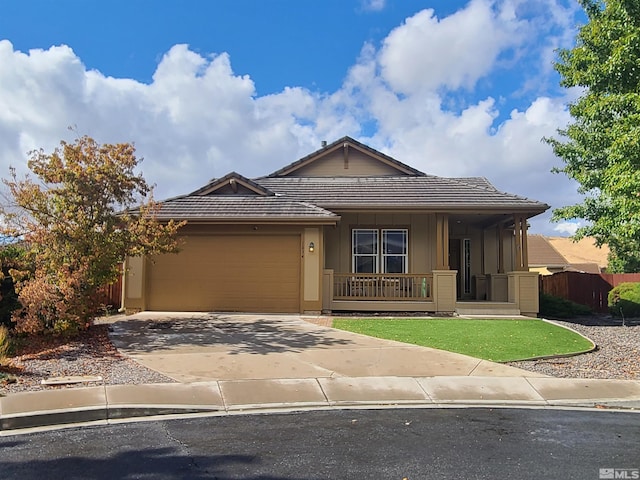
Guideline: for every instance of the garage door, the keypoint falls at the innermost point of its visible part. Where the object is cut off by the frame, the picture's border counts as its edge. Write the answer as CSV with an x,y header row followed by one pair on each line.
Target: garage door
x,y
228,273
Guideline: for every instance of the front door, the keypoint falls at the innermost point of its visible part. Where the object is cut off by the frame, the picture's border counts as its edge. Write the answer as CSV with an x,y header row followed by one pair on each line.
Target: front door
x,y
455,257
460,260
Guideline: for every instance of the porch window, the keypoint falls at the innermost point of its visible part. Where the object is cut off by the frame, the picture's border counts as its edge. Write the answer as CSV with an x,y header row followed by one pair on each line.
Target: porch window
x,y
365,251
394,251
384,250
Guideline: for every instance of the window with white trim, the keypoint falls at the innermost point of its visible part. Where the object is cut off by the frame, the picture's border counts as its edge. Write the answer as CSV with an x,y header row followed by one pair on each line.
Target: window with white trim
x,y
365,250
379,250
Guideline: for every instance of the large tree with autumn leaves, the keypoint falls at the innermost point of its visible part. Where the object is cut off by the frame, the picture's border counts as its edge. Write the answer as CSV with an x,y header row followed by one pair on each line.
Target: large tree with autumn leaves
x,y
80,213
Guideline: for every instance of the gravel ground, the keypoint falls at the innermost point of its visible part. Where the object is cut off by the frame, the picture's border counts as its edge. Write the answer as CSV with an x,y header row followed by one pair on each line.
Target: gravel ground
x,y
93,354
89,354
617,355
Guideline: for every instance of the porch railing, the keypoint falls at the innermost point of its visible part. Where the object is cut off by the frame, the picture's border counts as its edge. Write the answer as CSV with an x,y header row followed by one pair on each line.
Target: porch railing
x,y
382,286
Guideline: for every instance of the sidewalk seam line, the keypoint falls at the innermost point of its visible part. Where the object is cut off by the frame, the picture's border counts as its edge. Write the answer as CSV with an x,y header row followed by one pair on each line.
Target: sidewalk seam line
x,y
224,401
415,379
324,394
475,368
536,390
107,408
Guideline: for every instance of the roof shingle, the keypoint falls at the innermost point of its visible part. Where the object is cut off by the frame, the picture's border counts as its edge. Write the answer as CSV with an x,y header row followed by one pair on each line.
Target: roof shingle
x,y
423,192
232,207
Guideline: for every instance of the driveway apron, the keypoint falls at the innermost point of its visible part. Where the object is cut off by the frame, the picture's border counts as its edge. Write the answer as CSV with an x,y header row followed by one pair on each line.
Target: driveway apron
x,y
196,347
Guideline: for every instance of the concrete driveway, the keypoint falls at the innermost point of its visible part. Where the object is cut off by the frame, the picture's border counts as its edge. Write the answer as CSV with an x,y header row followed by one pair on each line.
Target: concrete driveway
x,y
195,347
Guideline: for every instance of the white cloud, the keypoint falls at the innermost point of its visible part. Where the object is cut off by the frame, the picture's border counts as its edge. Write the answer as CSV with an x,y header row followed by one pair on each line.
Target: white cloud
x,y
197,119
427,53
567,228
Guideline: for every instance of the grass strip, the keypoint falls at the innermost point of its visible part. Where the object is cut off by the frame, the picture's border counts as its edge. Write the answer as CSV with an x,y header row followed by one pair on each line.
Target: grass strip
x,y
498,340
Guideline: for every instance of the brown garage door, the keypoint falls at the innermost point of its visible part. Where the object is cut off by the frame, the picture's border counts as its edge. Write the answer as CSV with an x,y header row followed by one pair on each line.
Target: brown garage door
x,y
228,273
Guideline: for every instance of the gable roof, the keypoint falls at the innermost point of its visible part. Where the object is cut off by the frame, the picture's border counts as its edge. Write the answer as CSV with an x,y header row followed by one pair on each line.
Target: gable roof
x,y
239,199
542,253
232,183
285,195
426,192
243,208
345,143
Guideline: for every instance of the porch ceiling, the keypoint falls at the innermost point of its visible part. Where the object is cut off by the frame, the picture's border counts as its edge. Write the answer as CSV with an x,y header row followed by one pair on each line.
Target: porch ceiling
x,y
483,220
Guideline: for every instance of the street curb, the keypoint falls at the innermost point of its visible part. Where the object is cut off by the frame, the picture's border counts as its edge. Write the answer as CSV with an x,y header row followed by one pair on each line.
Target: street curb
x,y
98,411
145,413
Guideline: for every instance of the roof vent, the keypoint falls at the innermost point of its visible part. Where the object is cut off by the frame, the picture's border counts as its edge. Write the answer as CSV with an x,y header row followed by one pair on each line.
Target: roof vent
x,y
324,143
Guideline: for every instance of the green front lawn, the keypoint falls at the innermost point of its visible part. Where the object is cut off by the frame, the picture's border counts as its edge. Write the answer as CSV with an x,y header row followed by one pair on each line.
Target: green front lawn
x,y
496,340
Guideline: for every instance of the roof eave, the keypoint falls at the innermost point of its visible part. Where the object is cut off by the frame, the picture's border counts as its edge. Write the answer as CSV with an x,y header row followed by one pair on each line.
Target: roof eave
x,y
259,220
436,208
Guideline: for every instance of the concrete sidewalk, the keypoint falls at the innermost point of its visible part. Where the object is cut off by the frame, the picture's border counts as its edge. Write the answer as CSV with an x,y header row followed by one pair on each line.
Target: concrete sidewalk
x,y
113,403
230,363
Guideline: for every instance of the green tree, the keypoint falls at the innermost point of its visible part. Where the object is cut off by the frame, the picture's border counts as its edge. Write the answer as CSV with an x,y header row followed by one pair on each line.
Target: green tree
x,y
87,211
601,147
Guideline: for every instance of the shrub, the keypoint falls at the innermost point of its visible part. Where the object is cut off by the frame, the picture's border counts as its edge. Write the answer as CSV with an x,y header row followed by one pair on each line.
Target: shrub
x,y
52,303
85,210
557,307
4,343
624,300
13,258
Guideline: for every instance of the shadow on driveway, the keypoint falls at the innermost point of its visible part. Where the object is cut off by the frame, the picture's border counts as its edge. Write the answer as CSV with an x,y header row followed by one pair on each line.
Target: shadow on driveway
x,y
236,334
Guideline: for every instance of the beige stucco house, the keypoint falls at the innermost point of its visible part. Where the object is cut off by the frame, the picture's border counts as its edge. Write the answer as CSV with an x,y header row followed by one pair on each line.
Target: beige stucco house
x,y
345,228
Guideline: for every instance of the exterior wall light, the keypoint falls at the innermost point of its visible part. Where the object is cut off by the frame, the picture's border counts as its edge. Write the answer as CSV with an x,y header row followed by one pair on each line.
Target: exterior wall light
x,y
312,247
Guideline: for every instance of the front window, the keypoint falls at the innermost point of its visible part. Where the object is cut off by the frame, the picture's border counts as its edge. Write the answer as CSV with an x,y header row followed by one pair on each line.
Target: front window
x,y
384,251
365,251
394,251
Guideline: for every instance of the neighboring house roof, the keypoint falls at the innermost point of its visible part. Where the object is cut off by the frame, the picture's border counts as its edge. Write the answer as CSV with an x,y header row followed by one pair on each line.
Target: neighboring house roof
x,y
563,254
581,252
584,268
542,253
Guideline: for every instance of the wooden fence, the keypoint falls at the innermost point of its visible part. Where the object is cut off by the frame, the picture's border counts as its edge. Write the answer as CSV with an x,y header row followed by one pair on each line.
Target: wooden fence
x,y
110,296
587,289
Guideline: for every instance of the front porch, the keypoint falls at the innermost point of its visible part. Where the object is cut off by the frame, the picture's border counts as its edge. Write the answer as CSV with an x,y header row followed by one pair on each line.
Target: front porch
x,y
514,293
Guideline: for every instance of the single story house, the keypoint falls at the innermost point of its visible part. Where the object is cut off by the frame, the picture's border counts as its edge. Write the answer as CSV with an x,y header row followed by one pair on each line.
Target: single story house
x,y
549,255
346,228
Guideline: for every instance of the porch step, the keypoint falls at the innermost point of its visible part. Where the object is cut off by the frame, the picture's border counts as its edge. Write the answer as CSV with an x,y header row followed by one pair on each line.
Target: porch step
x,y
487,308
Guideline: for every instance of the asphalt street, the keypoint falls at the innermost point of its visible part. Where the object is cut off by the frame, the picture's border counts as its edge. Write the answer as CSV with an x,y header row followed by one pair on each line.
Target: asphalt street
x,y
339,444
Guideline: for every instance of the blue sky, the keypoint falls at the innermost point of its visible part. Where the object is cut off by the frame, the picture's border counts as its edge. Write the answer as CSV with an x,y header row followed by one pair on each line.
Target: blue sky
x,y
454,88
